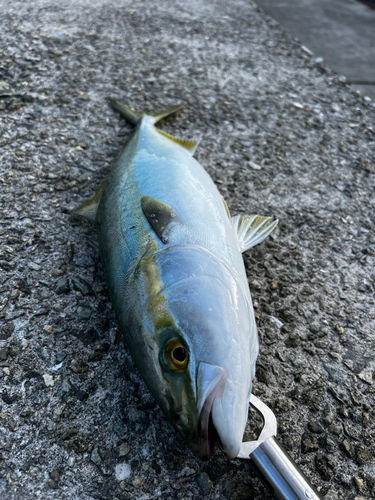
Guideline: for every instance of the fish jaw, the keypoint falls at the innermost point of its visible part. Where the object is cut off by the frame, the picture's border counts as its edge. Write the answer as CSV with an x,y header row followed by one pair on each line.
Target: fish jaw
x,y
229,416
221,417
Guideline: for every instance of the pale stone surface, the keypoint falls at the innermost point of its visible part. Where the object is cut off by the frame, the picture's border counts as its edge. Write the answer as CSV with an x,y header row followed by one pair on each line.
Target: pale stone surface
x,y
122,471
48,380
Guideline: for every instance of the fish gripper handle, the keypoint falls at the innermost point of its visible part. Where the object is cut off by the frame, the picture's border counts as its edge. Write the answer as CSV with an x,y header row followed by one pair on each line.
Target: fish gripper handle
x,y
280,474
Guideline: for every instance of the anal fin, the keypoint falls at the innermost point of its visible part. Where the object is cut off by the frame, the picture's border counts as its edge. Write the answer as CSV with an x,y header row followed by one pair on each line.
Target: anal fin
x,y
252,229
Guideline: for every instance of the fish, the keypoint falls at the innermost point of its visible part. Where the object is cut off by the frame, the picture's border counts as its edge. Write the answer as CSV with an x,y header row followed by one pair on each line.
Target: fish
x,y
172,258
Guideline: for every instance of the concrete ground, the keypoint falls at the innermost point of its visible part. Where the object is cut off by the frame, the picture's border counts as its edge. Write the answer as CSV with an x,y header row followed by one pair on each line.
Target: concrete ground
x,y
342,32
282,135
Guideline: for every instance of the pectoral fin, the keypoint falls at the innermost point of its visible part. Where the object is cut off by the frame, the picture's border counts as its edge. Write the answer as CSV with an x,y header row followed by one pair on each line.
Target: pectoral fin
x,y
89,208
160,216
252,229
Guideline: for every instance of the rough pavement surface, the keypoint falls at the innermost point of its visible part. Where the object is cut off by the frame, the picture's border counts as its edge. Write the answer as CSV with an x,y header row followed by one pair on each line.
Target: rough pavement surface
x,y
281,135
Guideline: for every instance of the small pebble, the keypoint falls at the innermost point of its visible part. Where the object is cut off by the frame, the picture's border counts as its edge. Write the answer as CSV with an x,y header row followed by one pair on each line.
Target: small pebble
x,y
138,481
106,471
61,286
52,484
347,447
55,474
33,266
364,454
122,471
123,449
335,429
48,380
204,483
359,483
366,376
323,467
187,471
309,443
83,312
95,456
82,286
254,166
4,354
331,495
315,427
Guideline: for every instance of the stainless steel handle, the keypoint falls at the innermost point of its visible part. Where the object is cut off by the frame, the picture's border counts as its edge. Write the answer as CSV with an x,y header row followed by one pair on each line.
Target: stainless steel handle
x,y
280,474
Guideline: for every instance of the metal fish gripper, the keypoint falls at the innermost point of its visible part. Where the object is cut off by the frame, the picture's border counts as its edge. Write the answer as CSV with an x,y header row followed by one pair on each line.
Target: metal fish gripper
x,y
274,466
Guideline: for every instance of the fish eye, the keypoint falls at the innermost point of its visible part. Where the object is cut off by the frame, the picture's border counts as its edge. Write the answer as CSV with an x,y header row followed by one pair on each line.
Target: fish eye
x,y
176,355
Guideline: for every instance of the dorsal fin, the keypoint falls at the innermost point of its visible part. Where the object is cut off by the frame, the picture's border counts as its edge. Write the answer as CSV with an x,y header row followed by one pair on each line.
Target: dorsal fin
x,y
252,229
89,207
190,146
160,216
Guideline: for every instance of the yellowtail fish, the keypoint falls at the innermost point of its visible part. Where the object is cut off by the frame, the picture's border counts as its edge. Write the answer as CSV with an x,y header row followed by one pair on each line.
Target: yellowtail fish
x,y
171,255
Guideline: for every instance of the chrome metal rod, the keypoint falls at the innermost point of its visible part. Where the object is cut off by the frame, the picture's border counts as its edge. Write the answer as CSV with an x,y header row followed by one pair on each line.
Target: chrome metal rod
x,y
280,473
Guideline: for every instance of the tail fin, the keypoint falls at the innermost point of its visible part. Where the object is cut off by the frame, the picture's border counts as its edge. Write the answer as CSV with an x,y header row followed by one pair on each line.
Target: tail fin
x,y
134,117
128,113
166,112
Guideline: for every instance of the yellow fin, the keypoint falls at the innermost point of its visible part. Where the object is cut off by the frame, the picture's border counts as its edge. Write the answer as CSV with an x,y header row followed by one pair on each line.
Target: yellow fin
x,y
89,208
166,112
190,146
128,113
159,215
134,117
226,207
252,229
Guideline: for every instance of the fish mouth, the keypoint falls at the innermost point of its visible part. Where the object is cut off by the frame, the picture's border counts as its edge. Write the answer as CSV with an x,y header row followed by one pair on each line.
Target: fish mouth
x,y
207,435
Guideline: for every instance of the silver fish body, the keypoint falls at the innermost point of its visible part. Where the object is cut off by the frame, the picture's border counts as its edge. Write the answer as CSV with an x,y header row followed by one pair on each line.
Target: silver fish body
x,y
172,259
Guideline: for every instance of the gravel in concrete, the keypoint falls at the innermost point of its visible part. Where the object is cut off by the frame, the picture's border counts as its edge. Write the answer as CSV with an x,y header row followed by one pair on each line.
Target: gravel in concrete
x,y
283,136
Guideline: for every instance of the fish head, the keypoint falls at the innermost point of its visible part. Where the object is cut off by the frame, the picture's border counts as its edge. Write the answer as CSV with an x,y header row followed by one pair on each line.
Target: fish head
x,y
204,348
